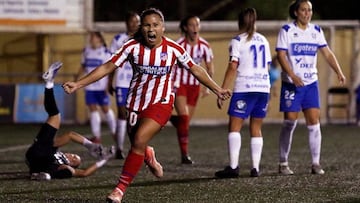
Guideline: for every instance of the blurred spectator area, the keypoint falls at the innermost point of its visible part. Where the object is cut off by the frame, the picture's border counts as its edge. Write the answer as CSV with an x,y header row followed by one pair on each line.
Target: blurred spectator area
x,y
25,55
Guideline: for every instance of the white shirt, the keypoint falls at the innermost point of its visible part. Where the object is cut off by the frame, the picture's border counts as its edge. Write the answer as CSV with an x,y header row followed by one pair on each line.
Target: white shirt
x,y
301,46
253,58
122,76
92,58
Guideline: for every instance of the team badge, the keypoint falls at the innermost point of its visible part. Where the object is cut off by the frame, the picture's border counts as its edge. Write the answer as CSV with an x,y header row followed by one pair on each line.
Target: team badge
x,y
241,105
295,34
163,56
313,35
288,103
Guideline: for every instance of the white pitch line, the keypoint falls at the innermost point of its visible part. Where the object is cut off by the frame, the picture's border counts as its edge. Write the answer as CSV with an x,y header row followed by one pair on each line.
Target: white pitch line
x,y
14,148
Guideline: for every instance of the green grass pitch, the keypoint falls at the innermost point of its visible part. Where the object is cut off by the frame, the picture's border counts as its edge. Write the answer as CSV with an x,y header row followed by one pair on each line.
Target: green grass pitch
x,y
195,183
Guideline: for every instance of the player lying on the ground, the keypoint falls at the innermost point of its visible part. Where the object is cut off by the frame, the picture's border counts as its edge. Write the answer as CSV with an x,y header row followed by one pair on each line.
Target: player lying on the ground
x,y
44,159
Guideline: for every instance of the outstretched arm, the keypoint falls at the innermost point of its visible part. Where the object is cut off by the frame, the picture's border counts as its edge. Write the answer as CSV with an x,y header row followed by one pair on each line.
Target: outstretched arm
x,y
85,172
210,70
98,73
200,74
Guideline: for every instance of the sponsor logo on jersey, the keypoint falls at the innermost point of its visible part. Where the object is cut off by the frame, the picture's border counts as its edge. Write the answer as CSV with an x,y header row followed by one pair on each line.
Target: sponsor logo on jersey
x,y
92,63
304,49
256,77
297,61
257,86
153,70
309,75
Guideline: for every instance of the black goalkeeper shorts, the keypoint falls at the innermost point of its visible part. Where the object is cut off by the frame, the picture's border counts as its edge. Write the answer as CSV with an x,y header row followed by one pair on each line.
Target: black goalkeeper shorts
x,y
41,153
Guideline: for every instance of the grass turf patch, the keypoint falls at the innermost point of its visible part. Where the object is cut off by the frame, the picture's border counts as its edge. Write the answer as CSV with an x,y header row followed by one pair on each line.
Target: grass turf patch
x,y
195,183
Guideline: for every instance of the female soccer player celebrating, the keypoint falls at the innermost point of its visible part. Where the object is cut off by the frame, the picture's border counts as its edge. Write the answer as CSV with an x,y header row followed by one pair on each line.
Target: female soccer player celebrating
x,y
150,99
249,61
297,46
188,90
96,94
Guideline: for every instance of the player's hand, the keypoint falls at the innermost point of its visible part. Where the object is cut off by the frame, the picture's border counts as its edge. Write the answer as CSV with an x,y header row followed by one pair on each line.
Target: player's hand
x,y
220,103
223,94
70,87
297,81
111,90
341,78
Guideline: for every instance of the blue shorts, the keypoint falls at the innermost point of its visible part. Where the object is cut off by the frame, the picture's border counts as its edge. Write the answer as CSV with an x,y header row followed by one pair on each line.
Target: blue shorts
x,y
295,99
247,104
97,97
121,95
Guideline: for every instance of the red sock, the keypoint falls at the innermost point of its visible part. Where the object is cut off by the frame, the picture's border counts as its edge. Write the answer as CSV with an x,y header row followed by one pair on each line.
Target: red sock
x,y
183,133
131,167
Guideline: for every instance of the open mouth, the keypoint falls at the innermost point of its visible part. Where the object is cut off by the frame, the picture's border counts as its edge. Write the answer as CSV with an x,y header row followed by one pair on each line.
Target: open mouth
x,y
151,37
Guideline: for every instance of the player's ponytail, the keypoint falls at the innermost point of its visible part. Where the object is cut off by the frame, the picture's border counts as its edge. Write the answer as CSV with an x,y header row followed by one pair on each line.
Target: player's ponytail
x,y
246,22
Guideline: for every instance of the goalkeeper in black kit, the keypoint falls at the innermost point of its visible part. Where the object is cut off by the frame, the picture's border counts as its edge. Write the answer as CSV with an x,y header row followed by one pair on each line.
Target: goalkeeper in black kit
x,y
43,157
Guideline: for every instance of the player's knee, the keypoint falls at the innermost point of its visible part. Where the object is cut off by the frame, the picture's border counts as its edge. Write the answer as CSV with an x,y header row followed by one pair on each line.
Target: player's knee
x,y
139,145
289,124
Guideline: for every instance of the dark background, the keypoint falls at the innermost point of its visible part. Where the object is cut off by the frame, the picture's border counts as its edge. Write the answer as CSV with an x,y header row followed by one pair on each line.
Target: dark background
x,y
114,10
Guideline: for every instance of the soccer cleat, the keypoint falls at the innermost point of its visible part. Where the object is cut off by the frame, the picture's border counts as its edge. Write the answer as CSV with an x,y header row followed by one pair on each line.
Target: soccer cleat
x,y
109,153
150,160
316,169
285,170
97,151
115,196
119,154
40,176
186,160
254,173
50,74
228,172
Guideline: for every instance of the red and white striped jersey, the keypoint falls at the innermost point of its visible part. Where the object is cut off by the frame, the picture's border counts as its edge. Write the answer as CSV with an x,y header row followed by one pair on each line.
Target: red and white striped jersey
x,y
151,82
199,52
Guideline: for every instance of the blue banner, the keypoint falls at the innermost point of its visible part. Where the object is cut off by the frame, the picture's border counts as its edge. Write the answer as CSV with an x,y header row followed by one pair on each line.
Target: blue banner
x,y
29,104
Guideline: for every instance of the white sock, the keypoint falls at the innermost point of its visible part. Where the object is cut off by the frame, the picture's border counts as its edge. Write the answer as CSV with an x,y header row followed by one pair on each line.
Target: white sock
x,y
111,121
234,144
95,122
285,139
315,142
49,84
256,145
121,132
88,144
